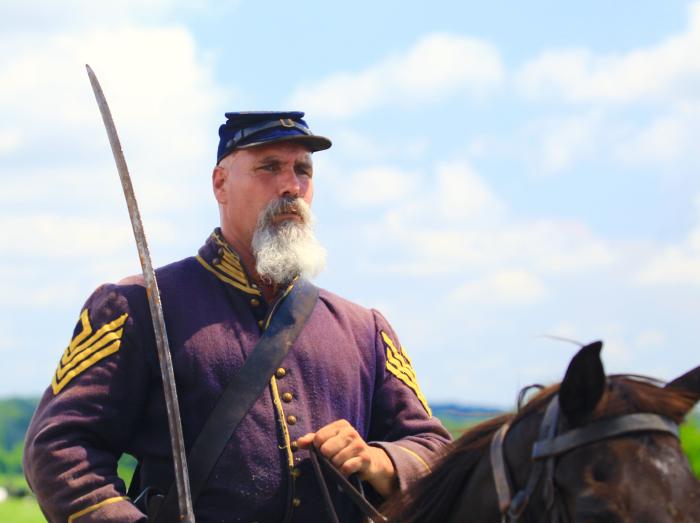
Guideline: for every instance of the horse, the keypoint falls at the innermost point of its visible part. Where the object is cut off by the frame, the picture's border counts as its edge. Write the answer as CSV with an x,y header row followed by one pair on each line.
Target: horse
x,y
594,448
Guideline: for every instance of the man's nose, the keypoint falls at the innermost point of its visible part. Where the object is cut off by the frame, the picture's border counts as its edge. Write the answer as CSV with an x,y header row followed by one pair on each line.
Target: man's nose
x,y
289,184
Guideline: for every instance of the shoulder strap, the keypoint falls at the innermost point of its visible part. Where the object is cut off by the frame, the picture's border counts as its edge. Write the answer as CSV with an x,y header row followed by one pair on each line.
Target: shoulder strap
x,y
244,389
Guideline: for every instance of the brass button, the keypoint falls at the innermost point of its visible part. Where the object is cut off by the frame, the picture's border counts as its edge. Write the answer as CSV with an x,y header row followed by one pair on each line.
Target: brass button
x,y
280,373
220,251
294,446
291,419
216,261
260,323
296,472
287,397
296,502
254,302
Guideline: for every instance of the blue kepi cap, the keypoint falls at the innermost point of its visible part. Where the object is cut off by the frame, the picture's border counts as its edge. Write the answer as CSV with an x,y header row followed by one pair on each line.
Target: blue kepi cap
x,y
248,129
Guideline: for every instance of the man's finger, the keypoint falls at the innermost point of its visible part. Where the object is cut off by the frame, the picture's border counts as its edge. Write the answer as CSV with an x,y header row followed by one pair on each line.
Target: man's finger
x,y
354,450
332,429
351,466
306,440
337,443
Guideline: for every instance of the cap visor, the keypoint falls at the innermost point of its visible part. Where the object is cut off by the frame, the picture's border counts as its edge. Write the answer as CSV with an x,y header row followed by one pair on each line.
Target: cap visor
x,y
313,142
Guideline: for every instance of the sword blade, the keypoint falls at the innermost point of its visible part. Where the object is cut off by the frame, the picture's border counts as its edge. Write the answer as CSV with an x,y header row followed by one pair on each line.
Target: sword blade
x,y
166,365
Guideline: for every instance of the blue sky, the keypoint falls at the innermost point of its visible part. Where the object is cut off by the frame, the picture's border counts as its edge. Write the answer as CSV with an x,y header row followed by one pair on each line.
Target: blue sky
x,y
500,170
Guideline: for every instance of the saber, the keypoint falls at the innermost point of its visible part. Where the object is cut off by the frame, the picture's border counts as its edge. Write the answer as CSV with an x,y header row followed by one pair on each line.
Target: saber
x,y
182,483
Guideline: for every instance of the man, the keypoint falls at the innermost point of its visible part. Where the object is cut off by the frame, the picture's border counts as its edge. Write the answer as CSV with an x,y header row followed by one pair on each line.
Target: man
x,y
346,385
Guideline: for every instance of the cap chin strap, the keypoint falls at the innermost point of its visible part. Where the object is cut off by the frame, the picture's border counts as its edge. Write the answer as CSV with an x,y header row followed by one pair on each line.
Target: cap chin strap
x,y
247,132
549,446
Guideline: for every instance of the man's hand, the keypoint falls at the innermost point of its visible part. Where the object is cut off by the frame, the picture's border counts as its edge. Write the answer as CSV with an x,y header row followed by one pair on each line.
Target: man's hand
x,y
345,448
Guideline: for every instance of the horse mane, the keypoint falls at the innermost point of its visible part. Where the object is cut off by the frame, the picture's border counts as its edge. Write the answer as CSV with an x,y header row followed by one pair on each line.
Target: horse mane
x,y
432,497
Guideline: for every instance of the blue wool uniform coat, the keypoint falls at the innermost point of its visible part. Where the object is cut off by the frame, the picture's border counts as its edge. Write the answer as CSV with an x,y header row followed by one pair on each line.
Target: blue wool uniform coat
x,y
106,398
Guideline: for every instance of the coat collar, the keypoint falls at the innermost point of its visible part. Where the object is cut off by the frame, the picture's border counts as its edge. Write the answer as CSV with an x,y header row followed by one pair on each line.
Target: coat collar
x,y
219,258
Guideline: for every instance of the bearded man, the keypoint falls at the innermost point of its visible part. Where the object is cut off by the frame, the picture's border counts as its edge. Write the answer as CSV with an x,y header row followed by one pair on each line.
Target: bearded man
x,y
346,386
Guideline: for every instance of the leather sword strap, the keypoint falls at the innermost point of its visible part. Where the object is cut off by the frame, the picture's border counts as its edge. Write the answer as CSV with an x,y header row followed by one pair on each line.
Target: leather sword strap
x,y
287,321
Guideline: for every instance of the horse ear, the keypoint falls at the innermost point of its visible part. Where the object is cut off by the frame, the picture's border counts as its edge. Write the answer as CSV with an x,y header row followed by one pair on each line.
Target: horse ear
x,y
583,385
690,382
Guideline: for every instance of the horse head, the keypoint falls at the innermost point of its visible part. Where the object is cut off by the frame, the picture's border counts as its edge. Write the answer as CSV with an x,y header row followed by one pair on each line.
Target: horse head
x,y
594,448
639,476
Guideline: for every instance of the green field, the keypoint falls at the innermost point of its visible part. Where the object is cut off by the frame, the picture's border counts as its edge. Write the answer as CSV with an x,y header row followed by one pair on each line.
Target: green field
x,y
20,510
690,440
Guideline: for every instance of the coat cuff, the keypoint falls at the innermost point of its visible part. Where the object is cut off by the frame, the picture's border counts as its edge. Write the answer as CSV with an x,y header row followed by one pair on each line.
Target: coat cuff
x,y
409,463
117,508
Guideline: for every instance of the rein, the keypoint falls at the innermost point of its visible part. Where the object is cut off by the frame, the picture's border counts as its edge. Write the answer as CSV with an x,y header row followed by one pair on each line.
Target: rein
x,y
355,494
549,446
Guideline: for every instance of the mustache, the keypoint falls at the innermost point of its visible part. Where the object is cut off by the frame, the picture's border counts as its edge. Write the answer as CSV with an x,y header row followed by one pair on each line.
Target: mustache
x,y
285,205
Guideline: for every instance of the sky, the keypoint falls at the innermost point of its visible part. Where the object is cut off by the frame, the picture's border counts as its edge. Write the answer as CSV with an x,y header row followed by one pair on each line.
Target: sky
x,y
502,172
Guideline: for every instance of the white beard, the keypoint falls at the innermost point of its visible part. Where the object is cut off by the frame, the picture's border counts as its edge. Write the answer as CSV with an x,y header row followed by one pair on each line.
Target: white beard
x,y
287,249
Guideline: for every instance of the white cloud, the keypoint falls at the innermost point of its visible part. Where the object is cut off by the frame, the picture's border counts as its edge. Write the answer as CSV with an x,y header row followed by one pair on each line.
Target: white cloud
x,y
463,195
62,236
51,17
617,354
670,139
6,341
453,222
377,185
551,246
508,287
359,146
10,139
650,338
436,66
670,68
674,266
61,198
156,85
559,143
677,264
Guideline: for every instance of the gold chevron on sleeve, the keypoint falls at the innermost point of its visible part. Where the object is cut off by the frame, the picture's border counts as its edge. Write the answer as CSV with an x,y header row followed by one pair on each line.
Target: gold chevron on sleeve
x,y
87,348
399,364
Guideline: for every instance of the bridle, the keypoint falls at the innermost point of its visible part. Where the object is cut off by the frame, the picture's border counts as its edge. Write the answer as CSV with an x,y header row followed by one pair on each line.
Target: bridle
x,y
549,446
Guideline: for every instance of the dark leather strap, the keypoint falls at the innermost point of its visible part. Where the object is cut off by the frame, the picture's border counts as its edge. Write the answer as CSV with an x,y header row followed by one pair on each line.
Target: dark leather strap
x,y
604,429
355,495
498,466
286,322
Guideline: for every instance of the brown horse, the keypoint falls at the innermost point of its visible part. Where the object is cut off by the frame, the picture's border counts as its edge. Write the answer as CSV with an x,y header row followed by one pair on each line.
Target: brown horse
x,y
639,475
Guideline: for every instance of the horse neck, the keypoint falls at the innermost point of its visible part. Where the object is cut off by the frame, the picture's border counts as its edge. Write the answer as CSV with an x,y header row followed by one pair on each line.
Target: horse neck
x,y
518,447
478,501
480,494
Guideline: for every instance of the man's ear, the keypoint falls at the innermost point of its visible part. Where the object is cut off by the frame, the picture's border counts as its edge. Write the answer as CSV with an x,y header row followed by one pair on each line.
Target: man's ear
x,y
218,183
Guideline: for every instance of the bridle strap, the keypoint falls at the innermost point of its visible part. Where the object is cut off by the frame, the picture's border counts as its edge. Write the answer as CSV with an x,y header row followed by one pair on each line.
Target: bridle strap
x,y
498,466
507,503
549,446
600,430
